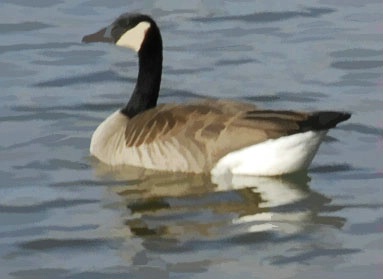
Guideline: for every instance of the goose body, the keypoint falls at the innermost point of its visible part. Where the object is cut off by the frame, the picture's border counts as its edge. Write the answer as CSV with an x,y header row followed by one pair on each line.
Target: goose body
x,y
216,136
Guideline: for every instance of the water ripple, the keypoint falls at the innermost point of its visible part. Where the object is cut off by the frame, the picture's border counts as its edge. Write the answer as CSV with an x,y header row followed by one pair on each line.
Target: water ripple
x,y
103,183
80,107
58,273
70,57
35,3
45,229
269,16
23,47
374,227
22,26
226,62
52,243
58,203
357,64
363,129
54,164
307,256
37,116
332,168
98,77
356,52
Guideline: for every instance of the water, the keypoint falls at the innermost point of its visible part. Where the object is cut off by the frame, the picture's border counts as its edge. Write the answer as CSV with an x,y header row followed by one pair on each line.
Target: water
x,y
64,215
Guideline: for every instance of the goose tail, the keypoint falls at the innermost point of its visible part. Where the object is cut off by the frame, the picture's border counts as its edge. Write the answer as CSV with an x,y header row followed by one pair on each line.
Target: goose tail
x,y
323,120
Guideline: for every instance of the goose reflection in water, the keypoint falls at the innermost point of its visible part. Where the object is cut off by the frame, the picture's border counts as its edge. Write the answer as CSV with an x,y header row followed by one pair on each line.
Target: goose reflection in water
x,y
179,209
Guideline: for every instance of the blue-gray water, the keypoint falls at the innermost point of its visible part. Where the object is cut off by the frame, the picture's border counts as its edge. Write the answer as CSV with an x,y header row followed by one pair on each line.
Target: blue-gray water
x,y
63,215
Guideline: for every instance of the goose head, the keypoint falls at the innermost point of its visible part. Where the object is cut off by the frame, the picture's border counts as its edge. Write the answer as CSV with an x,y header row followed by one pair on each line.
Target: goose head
x,y
134,31
140,33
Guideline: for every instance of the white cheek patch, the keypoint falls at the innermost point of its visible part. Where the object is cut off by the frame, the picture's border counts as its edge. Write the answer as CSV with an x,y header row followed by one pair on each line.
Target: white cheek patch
x,y
134,37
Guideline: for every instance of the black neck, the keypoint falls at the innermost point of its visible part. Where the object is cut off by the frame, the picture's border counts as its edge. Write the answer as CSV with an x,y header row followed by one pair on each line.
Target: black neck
x,y
145,93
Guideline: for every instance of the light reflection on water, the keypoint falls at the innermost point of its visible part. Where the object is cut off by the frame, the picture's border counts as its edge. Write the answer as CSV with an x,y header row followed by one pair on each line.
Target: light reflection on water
x,y
179,211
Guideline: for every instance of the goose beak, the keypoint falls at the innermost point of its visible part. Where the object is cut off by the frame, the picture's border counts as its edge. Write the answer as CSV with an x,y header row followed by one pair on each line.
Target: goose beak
x,y
104,35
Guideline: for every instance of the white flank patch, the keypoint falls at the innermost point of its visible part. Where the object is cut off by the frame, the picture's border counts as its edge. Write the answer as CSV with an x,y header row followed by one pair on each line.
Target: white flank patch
x,y
272,157
134,37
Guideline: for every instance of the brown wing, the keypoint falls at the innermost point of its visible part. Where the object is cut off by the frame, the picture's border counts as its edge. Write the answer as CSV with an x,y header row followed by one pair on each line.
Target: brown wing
x,y
165,121
204,132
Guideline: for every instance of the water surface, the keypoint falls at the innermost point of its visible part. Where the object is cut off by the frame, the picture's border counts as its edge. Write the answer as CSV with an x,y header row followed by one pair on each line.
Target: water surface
x,y
65,215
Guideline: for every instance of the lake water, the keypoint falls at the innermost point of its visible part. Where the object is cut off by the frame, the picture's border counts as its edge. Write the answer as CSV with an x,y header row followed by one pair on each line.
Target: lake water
x,y
64,215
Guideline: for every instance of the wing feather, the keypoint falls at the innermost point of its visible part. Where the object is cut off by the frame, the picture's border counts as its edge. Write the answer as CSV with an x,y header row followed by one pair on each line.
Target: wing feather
x,y
195,136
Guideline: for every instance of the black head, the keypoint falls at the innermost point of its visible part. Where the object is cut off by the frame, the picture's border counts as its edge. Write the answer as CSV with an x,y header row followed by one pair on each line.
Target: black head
x,y
128,30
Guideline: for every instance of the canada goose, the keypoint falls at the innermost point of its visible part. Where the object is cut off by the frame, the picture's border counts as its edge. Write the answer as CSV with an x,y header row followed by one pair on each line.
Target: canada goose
x,y
216,136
